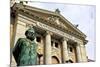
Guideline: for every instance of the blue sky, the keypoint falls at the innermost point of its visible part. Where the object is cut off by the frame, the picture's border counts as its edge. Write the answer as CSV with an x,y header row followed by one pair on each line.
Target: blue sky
x,y
84,15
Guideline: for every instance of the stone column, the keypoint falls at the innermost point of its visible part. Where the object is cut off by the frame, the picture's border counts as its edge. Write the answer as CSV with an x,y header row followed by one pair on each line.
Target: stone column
x,y
47,57
78,51
65,50
83,52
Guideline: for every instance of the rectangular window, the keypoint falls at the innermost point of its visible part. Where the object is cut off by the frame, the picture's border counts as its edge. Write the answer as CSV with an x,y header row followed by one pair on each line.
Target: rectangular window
x,y
71,49
38,39
51,43
56,44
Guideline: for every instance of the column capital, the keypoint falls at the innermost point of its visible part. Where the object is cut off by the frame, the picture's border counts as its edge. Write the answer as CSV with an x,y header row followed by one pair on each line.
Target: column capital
x,y
48,32
80,44
64,38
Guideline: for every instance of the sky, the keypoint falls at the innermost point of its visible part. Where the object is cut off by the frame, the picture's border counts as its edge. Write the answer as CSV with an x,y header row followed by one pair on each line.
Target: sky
x,y
83,15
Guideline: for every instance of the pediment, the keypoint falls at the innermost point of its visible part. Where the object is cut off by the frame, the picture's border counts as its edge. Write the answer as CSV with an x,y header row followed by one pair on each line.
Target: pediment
x,y
54,17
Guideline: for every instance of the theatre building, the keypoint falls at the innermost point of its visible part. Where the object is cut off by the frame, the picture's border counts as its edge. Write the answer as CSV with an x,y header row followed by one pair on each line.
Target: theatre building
x,y
58,40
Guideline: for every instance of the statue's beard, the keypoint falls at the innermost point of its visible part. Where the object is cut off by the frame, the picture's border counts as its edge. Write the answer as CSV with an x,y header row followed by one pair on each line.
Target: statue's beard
x,y
31,37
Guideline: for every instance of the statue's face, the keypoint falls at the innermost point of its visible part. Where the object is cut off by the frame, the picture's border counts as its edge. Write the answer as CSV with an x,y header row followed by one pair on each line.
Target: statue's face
x,y
30,34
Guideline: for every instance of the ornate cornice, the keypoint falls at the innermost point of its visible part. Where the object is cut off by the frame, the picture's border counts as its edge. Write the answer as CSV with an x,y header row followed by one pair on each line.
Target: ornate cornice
x,y
48,22
50,13
85,42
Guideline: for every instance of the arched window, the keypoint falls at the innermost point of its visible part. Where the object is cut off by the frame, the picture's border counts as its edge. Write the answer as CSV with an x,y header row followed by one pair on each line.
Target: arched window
x,y
55,60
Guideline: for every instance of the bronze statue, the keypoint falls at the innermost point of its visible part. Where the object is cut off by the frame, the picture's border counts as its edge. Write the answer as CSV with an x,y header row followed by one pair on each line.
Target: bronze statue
x,y
25,49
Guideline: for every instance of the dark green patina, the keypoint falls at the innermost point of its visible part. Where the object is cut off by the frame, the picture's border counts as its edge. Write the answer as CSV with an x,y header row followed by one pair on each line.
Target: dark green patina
x,y
25,49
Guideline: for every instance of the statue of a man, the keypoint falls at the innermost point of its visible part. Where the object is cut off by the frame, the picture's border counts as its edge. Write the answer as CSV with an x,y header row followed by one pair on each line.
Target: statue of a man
x,y
25,49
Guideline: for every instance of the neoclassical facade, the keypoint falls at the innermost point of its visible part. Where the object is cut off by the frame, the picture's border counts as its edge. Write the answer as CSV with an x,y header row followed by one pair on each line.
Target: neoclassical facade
x,y
58,40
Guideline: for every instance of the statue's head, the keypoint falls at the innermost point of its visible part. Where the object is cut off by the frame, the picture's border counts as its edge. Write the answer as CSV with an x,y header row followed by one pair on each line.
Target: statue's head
x,y
30,33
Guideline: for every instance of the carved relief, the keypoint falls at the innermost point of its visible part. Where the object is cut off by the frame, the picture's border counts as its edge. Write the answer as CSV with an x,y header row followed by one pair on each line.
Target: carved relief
x,y
55,22
55,52
54,19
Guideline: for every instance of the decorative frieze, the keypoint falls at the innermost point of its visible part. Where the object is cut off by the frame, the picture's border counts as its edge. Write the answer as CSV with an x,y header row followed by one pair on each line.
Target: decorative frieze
x,y
56,31
52,22
47,27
